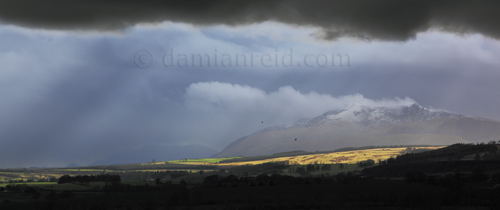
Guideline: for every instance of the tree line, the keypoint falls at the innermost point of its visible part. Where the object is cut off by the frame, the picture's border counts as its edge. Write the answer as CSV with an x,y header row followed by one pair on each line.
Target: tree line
x,y
85,179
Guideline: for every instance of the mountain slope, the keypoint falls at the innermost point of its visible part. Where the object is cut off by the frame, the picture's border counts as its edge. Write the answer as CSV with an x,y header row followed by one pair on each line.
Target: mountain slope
x,y
362,126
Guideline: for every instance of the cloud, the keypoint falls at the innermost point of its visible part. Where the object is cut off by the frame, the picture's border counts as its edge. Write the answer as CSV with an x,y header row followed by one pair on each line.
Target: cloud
x,y
385,20
229,111
285,101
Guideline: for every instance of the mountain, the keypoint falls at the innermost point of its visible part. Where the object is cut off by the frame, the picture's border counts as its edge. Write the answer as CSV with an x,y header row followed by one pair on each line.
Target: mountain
x,y
158,152
362,126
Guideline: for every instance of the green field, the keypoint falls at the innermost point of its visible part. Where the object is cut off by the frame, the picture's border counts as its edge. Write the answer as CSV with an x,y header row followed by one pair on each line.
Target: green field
x,y
211,165
85,170
199,160
31,184
181,168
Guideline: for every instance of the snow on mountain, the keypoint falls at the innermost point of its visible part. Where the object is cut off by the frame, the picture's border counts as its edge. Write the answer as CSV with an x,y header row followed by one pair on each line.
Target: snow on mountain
x,y
367,117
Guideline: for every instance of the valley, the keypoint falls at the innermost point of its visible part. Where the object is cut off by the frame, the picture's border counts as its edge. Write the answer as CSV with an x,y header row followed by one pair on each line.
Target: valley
x,y
415,177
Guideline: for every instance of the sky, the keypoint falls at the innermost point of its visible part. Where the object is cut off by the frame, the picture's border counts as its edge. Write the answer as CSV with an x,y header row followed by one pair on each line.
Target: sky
x,y
81,80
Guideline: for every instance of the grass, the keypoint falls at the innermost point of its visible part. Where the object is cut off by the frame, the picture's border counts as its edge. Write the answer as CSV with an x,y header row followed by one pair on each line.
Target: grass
x,y
199,161
138,183
85,170
348,157
173,170
12,173
31,184
74,186
70,186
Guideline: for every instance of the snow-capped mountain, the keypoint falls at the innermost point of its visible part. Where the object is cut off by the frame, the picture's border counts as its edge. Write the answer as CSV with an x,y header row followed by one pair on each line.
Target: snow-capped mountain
x,y
360,125
368,117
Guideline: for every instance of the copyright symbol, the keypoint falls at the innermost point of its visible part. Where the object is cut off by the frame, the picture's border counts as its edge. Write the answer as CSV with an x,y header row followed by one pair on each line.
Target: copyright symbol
x,y
143,59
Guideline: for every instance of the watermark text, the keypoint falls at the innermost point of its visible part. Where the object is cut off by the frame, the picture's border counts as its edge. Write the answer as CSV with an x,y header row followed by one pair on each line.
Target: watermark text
x,y
287,59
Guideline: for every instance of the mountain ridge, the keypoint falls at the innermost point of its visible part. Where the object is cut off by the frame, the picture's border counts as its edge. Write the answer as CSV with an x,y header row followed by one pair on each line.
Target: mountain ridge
x,y
360,125
355,113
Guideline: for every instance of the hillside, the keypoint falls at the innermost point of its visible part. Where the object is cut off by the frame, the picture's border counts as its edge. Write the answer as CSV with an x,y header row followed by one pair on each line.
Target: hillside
x,y
360,126
454,158
346,157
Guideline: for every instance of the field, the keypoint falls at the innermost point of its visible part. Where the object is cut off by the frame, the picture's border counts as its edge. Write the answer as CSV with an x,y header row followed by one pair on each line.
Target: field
x,y
202,160
301,180
73,186
349,158
32,184
17,175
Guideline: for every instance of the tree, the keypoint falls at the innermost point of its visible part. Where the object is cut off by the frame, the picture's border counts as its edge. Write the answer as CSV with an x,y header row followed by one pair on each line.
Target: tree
x,y
325,167
212,179
477,157
197,196
301,171
36,196
64,179
174,199
52,179
415,177
66,194
366,163
310,167
51,196
158,182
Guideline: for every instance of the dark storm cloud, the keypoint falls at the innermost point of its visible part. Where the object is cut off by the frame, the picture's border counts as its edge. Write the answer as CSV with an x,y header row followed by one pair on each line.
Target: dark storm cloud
x,y
385,20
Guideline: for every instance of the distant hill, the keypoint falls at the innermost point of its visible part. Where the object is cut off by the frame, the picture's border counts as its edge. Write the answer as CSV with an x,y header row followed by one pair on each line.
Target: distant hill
x,y
72,165
149,152
361,125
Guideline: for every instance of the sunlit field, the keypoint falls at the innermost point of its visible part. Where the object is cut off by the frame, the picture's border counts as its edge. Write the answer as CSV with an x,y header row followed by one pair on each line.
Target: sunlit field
x,y
347,158
199,161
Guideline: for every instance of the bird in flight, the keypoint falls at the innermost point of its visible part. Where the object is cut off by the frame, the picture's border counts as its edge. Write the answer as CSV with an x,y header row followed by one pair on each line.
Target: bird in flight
x,y
295,139
261,121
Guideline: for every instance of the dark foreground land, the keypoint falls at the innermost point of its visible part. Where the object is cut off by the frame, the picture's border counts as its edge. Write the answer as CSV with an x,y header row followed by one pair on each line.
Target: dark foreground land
x,y
456,177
